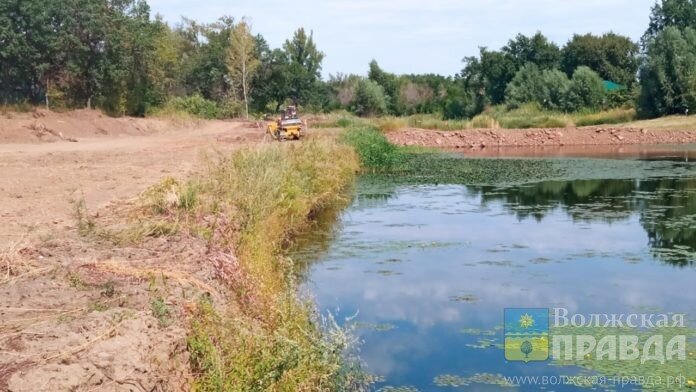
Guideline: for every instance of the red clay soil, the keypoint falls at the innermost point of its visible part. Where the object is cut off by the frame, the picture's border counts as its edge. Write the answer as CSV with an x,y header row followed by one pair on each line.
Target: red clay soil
x,y
487,138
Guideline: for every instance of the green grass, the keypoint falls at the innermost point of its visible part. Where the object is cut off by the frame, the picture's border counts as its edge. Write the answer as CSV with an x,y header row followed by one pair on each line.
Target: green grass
x,y
252,204
418,165
161,312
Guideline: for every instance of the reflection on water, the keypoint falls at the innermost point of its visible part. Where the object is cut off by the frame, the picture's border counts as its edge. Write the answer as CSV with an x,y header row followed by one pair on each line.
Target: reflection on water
x,y
429,269
666,208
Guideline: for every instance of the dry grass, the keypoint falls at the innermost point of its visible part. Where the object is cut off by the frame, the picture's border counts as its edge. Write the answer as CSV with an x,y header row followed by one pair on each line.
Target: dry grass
x,y
613,116
13,265
249,206
119,269
665,123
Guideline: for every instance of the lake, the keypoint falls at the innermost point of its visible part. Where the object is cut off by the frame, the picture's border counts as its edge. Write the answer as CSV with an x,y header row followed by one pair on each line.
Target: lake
x,y
423,273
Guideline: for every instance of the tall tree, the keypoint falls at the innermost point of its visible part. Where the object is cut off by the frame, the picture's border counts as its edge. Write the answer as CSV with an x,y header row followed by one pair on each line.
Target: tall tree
x,y
387,80
666,13
28,44
536,49
668,75
612,56
242,61
489,74
271,84
304,66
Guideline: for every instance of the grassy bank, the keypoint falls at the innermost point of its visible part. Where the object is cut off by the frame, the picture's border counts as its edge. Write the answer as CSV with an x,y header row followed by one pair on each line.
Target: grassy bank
x,y
419,165
528,116
248,207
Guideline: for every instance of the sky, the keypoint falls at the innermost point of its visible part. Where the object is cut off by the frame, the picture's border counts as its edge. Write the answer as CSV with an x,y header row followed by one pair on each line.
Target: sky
x,y
415,36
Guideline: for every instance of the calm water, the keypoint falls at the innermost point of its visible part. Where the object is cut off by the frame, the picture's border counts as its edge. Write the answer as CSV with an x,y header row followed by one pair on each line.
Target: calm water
x,y
425,272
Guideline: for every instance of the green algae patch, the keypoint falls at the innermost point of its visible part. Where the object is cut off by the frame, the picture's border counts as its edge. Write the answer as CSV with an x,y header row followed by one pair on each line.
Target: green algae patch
x,y
455,381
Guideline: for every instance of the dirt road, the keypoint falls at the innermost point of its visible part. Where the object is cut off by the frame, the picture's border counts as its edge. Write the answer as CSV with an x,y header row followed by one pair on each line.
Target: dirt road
x,y
117,159
78,314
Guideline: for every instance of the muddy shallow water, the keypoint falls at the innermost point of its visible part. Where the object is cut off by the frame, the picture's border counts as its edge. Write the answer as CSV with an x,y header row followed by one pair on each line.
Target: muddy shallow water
x,y
424,272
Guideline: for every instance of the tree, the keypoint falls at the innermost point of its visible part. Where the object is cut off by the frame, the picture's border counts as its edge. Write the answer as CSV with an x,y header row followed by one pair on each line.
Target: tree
x,y
164,69
26,48
668,74
555,91
526,348
304,66
204,58
527,86
586,90
388,81
612,56
369,99
271,84
242,62
344,89
675,13
536,49
489,74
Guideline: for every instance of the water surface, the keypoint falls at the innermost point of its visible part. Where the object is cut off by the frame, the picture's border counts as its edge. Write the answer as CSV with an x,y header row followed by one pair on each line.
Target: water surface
x,y
426,271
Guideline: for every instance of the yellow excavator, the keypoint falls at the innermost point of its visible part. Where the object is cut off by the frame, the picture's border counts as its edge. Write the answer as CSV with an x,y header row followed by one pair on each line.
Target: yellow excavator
x,y
287,127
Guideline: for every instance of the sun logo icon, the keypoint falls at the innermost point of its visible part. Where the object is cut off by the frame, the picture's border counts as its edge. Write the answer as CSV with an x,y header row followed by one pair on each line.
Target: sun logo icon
x,y
526,334
526,321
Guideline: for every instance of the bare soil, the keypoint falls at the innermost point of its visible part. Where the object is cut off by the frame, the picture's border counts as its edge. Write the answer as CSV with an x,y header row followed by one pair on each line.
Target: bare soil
x,y
477,139
84,315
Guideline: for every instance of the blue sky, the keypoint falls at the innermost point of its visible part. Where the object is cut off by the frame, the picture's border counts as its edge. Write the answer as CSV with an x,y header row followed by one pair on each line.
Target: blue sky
x,y
409,36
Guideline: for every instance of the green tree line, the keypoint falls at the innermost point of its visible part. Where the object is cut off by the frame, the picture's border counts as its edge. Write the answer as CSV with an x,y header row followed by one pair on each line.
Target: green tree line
x,y
114,55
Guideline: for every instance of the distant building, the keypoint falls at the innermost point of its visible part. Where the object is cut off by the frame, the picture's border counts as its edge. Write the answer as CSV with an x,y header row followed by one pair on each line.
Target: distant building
x,y
611,86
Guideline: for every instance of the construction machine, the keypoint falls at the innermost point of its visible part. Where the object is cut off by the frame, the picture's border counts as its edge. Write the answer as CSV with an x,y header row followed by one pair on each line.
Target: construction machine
x,y
287,127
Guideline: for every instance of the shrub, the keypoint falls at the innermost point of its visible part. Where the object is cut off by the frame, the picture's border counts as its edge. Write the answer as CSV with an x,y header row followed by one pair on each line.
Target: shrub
x,y
525,87
196,106
586,90
369,99
556,87
373,148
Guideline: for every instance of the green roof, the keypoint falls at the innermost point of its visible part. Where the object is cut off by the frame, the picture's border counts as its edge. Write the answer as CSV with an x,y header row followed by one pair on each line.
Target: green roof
x,y
611,86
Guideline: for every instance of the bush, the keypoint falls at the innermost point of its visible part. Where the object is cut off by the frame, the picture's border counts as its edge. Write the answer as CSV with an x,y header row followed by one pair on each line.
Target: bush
x,y
586,90
374,150
196,106
230,108
369,99
525,87
556,87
